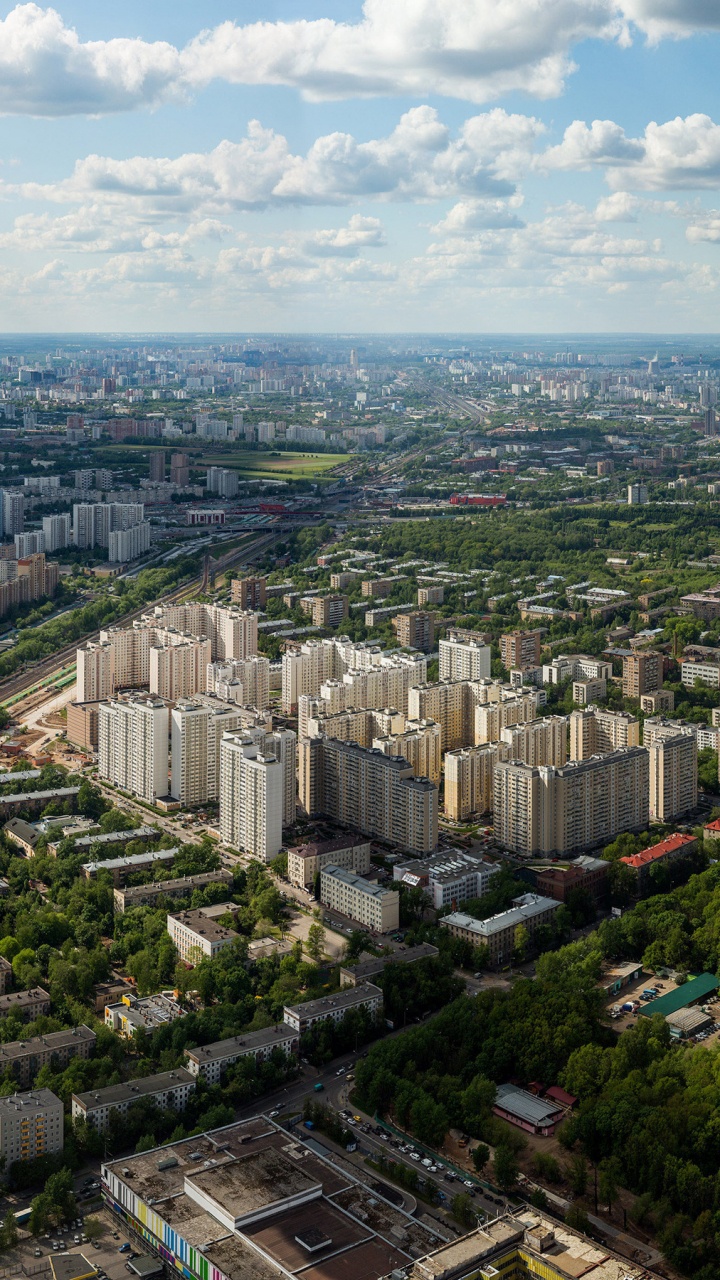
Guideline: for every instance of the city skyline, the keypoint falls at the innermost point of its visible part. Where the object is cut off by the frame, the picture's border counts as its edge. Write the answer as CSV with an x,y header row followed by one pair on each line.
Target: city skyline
x,y
530,166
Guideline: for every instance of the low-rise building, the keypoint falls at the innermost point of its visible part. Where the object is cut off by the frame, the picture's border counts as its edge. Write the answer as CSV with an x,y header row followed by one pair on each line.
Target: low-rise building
x,y
618,976
371,905
557,880
29,1004
31,1126
333,1008
449,877
24,835
526,1111
24,1058
101,839
141,1013
353,975
211,1061
500,933
668,850
168,1090
196,935
145,895
351,852
121,868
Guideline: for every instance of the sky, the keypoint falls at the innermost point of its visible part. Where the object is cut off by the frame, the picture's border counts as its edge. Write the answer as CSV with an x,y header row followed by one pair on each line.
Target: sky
x,y
393,166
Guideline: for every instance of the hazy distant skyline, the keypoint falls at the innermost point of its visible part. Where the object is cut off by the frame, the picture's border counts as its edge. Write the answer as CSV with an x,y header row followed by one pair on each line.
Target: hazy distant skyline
x,y
406,165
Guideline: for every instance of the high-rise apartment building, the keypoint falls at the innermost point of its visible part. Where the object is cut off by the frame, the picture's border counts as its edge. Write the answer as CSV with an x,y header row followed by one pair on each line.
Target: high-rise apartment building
x,y
95,672
447,702
233,632
368,791
430,595
196,731
57,531
282,743
642,673
249,593
179,470
242,680
419,744
128,544
157,466
133,746
464,659
179,670
559,811
539,741
637,495
492,717
595,731
415,630
369,676
520,649
29,544
329,610
13,512
469,779
251,798
673,776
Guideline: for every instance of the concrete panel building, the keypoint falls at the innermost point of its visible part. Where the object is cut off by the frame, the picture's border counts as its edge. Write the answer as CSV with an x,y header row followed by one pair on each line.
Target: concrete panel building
x,y
469,779
464,659
520,649
595,731
673,776
499,933
170,1090
210,1061
133,746
251,798
571,809
31,1126
368,792
25,1058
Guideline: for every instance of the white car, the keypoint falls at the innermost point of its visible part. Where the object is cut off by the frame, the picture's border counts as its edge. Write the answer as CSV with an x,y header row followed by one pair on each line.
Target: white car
x,y
427,1163
414,1155
468,1183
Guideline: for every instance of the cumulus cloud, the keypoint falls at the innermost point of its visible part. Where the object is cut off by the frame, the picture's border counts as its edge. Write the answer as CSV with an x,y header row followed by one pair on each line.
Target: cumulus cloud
x,y
480,215
420,160
471,49
603,142
674,18
346,242
682,154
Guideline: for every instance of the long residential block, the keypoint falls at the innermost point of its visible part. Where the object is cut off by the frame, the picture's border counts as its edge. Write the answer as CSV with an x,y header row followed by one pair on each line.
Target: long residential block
x,y
169,1090
370,904
211,1061
24,1058
333,1008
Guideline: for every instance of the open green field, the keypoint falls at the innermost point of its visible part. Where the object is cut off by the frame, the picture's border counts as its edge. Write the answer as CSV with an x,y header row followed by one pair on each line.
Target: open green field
x,y
251,465
266,466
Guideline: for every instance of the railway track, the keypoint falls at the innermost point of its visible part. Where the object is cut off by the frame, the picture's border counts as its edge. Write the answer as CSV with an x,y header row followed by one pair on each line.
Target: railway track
x,y
24,682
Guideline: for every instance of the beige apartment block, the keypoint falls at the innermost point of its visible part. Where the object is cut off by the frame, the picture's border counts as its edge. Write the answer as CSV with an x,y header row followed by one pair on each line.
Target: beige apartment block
x,y
539,741
251,798
179,670
31,1126
95,672
642,673
196,935
585,692
448,703
673,776
520,649
351,852
430,595
249,593
469,779
419,744
661,700
584,804
492,718
595,731
370,905
369,792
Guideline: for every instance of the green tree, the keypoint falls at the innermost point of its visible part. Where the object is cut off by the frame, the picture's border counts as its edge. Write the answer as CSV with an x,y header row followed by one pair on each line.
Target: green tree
x,y
9,1234
480,1156
316,941
506,1167
462,1210
577,1175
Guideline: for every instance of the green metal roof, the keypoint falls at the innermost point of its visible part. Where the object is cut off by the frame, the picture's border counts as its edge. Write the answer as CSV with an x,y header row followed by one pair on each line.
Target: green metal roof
x,y
687,994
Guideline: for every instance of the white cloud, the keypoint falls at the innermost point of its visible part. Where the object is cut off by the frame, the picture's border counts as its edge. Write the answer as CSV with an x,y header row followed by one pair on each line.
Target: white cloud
x,y
621,206
673,18
604,142
346,242
682,154
46,70
470,49
479,215
419,160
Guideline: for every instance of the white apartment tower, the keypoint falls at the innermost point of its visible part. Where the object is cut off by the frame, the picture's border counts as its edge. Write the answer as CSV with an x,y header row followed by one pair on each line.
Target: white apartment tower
x,y
196,731
251,798
464,659
673,776
133,746
95,672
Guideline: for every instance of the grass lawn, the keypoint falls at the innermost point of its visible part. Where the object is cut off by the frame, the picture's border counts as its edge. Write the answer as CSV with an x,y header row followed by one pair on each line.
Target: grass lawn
x,y
291,466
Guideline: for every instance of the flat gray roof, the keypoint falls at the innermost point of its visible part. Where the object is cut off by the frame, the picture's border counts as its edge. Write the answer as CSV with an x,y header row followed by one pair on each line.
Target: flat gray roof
x,y
253,1182
10,1053
221,1049
134,860
339,999
143,1088
23,797
354,881
115,837
506,919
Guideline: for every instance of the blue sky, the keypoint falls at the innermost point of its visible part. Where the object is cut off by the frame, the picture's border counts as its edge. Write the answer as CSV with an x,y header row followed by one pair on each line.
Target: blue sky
x,y
513,165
